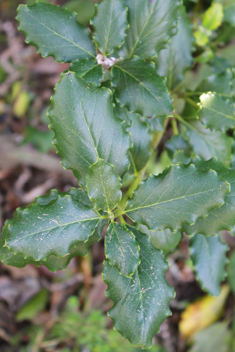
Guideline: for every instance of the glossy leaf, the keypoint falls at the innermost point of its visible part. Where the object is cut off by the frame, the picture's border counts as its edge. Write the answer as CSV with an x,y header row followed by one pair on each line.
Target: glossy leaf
x,y
55,32
179,195
141,302
38,232
140,137
177,57
221,218
103,186
152,24
89,70
140,89
216,113
208,144
86,128
164,240
121,249
109,25
209,259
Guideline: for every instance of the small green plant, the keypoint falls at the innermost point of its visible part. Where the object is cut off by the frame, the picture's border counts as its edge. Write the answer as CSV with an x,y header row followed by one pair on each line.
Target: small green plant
x,y
108,114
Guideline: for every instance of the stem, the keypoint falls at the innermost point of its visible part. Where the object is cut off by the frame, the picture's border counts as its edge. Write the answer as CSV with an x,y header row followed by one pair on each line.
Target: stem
x,y
174,127
191,101
132,188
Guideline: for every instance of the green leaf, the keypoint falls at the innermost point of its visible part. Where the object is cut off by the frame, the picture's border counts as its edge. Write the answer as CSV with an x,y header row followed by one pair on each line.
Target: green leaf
x,y
141,303
231,271
177,57
214,338
179,195
213,17
109,25
89,70
55,32
229,10
217,83
52,263
140,89
152,24
85,9
216,113
140,137
209,259
221,218
177,143
208,144
164,240
103,186
86,128
33,307
121,249
40,231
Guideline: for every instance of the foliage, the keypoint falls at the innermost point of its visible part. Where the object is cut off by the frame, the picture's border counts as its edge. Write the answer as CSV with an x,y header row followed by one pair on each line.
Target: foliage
x,y
76,332
108,114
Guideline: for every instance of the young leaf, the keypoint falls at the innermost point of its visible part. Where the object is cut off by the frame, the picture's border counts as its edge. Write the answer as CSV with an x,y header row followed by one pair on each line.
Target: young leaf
x,y
55,32
221,218
164,240
89,70
213,17
152,24
103,186
121,249
229,10
109,25
208,144
38,232
140,137
86,128
139,88
209,258
179,195
141,303
177,57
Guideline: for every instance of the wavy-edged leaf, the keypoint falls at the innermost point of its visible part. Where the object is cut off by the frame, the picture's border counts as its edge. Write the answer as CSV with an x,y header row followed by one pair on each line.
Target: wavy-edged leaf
x,y
140,89
208,144
209,259
152,24
140,137
213,17
179,195
40,231
221,218
177,57
89,70
86,128
55,32
121,249
216,113
141,302
217,83
110,24
52,263
103,186
164,240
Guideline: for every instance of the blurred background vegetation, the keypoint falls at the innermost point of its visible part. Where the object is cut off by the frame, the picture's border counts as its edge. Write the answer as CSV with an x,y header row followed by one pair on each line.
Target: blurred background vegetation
x,y
66,311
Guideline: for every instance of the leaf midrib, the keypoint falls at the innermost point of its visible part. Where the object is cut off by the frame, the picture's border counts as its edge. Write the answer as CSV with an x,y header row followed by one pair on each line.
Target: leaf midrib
x,y
170,200
59,35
